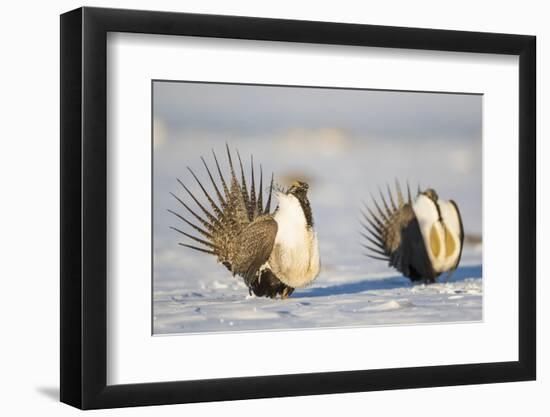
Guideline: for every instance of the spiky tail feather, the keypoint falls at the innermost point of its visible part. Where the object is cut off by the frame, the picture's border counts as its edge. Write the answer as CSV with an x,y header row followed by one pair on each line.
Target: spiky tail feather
x,y
375,224
221,222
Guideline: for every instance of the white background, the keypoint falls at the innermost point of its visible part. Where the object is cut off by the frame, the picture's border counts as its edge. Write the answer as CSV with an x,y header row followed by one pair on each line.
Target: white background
x,y
30,203
133,60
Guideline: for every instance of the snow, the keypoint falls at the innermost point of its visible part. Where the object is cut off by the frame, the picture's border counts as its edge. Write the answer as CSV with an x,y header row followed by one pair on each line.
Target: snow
x,y
336,299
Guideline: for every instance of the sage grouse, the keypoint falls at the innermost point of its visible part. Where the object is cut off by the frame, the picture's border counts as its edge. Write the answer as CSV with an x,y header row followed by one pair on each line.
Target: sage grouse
x,y
274,252
421,239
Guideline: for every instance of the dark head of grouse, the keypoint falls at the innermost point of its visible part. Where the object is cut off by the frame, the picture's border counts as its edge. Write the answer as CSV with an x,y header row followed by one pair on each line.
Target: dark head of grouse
x,y
299,189
431,194
273,251
421,238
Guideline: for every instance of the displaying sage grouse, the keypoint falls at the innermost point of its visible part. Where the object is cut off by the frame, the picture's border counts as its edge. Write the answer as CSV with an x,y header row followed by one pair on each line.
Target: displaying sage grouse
x,y
422,238
274,252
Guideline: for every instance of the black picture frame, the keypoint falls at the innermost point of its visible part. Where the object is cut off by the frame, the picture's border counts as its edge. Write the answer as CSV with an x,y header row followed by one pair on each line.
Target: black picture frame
x,y
84,207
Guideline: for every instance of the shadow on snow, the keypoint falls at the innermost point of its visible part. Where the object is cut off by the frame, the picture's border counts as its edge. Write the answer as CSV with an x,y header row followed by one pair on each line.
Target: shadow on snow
x,y
389,283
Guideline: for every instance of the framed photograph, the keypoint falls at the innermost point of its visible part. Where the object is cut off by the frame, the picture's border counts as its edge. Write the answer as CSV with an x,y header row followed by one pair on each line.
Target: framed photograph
x,y
257,208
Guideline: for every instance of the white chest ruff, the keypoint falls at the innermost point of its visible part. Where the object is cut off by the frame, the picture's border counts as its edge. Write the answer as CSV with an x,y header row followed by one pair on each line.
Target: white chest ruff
x,y
295,255
442,235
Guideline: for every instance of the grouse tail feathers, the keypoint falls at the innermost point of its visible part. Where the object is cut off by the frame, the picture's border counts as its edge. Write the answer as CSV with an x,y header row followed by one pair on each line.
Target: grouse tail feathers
x,y
230,206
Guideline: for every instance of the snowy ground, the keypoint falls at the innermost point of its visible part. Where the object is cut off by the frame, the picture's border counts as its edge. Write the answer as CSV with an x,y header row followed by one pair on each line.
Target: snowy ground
x,y
336,299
